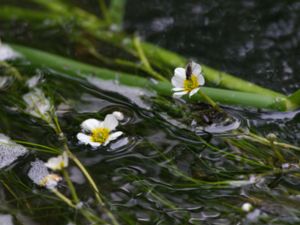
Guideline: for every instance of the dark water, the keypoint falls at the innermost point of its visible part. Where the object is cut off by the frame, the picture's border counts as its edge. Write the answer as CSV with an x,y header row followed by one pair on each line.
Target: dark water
x,y
256,40
161,171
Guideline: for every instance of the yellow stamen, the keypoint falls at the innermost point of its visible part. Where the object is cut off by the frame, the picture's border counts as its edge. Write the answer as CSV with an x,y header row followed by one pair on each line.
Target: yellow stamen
x,y
100,135
191,84
50,177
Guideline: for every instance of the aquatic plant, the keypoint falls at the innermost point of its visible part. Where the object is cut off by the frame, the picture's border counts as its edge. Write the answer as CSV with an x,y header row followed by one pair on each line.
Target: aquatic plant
x,y
101,131
181,161
187,81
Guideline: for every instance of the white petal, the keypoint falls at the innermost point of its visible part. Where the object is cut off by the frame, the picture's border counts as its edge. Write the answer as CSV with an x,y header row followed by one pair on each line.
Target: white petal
x,y
180,72
119,115
179,94
113,136
201,80
83,138
196,68
90,124
52,163
194,91
110,122
177,89
178,78
94,144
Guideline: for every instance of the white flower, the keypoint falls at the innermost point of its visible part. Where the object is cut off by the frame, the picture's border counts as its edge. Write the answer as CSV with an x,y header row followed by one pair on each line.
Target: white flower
x,y
100,132
58,163
187,81
37,104
40,175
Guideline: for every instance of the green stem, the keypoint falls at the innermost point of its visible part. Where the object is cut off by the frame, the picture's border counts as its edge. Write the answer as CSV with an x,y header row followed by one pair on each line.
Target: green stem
x,y
210,101
87,175
157,55
253,137
144,60
71,186
104,10
87,214
63,198
71,67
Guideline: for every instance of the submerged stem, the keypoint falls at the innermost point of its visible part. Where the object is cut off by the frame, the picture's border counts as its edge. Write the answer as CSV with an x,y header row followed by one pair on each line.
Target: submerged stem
x,y
71,186
63,198
210,101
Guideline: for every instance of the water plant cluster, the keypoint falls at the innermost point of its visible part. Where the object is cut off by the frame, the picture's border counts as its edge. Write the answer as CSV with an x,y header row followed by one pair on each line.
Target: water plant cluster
x,y
141,136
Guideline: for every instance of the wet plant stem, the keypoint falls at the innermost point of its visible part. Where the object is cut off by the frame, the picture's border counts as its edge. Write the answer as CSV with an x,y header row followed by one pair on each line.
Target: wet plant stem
x,y
71,186
210,101
86,174
104,11
145,61
88,215
277,152
265,141
63,198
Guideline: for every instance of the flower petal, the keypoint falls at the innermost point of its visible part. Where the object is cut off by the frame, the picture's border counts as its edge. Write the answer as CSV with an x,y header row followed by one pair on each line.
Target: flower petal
x,y
94,144
119,115
196,68
201,80
180,72
110,122
179,77
179,94
113,136
91,124
177,89
83,138
194,91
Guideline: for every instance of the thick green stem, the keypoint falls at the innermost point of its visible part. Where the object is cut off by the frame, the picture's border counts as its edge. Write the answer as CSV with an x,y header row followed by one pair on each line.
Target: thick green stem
x,y
72,67
157,55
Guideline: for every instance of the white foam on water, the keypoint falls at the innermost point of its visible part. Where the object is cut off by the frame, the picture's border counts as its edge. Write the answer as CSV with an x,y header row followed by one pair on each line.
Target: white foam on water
x,y
6,219
38,171
134,94
9,151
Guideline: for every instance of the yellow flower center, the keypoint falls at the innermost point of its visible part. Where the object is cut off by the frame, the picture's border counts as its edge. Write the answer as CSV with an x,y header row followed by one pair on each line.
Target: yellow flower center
x,y
100,135
191,84
49,178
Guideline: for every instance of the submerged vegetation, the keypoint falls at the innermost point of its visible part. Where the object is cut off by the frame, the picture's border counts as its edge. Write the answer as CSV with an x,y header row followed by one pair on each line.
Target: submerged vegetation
x,y
142,156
